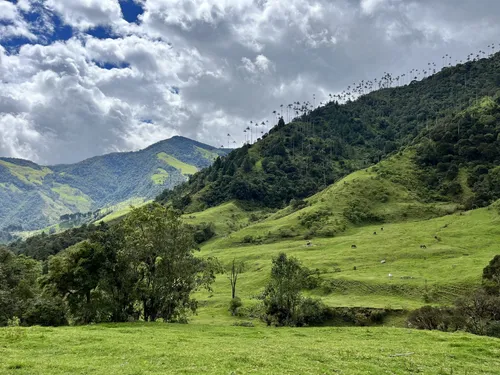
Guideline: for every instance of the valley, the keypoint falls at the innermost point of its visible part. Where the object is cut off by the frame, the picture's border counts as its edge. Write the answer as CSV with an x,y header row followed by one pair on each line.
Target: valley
x,y
360,237
34,197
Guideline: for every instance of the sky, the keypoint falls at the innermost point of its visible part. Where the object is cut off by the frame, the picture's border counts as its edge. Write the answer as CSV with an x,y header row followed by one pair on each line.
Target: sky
x,y
80,78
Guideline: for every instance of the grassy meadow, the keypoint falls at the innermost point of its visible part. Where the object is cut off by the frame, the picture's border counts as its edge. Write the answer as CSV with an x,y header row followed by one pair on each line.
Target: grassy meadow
x,y
158,348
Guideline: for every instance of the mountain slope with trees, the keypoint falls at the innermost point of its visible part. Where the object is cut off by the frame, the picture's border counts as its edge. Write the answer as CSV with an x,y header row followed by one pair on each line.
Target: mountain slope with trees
x,y
34,196
321,145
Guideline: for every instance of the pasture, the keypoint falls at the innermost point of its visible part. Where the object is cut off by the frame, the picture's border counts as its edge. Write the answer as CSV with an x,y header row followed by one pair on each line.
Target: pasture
x,y
140,349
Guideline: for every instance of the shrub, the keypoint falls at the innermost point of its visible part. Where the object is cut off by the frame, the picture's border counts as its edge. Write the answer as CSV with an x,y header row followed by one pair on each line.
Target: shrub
x,y
234,305
312,312
298,204
203,232
429,317
248,239
45,312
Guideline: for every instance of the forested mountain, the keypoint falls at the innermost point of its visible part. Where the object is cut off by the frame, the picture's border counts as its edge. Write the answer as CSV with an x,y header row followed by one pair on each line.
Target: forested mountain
x,y
321,145
34,196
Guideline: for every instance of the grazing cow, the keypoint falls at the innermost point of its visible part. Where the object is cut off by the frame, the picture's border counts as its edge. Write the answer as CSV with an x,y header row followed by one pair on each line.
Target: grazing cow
x,y
374,232
354,247
382,261
423,247
390,275
308,243
382,229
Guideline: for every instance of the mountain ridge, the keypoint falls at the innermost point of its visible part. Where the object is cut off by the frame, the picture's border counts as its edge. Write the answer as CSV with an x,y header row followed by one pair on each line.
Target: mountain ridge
x,y
33,196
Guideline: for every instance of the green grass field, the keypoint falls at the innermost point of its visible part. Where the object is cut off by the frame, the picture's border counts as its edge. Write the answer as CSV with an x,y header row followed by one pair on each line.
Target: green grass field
x,y
202,349
177,164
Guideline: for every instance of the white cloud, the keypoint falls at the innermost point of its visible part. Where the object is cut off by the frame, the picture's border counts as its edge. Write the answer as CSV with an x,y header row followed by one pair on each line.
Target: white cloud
x,y
85,14
369,6
13,24
17,135
205,68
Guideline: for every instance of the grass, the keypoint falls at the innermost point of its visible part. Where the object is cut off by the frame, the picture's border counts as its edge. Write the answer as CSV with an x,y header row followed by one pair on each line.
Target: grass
x,y
458,245
201,349
27,175
185,168
119,210
160,176
209,155
444,269
228,217
73,197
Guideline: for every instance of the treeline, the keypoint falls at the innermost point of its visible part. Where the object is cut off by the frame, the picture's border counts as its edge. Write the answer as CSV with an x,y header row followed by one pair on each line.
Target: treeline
x,y
43,245
469,140
478,313
143,268
298,159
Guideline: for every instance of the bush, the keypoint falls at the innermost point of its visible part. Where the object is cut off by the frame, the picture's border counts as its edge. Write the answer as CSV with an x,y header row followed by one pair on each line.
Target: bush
x,y
203,232
312,312
248,239
234,305
429,317
298,204
45,312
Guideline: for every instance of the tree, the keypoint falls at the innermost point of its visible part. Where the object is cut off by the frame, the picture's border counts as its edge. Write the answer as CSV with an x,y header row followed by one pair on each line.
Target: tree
x,y
75,275
234,270
160,250
491,276
18,287
282,295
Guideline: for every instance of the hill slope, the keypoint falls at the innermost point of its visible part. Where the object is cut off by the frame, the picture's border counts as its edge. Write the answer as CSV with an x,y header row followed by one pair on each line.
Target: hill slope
x,y
320,146
34,196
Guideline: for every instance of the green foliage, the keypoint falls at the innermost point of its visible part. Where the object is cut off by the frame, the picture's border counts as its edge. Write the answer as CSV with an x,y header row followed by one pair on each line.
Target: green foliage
x,y
468,140
234,305
283,302
160,251
18,286
203,232
42,246
491,276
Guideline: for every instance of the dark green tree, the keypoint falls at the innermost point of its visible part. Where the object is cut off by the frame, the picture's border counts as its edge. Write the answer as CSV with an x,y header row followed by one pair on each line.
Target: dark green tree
x,y
282,294
159,249
491,276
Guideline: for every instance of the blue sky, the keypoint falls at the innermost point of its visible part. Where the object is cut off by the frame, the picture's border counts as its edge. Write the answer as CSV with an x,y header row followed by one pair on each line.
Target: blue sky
x,y
80,78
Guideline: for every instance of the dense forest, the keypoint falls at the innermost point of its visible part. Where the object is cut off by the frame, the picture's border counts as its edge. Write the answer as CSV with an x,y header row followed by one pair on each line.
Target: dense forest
x,y
469,141
321,145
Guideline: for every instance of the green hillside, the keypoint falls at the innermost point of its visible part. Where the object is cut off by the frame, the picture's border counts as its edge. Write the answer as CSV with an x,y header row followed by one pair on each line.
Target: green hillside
x,y
324,144
387,216
34,197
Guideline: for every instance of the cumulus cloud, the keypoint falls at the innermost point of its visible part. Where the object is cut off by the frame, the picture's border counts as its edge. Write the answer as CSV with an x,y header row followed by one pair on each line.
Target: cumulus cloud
x,y
85,14
203,68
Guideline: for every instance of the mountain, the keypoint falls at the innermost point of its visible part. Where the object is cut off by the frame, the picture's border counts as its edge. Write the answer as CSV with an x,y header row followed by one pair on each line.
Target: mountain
x,y
34,196
322,145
